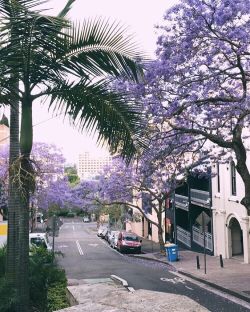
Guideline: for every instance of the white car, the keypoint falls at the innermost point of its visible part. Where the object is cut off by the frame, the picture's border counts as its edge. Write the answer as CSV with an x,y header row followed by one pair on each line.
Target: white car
x,y
102,231
110,235
40,240
114,239
86,219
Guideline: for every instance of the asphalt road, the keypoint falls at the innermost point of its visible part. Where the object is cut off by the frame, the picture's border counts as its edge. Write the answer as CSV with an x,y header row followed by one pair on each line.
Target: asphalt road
x,y
86,257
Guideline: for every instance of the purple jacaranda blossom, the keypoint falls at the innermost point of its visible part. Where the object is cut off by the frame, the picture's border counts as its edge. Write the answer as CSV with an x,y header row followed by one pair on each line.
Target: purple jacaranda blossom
x,y
198,83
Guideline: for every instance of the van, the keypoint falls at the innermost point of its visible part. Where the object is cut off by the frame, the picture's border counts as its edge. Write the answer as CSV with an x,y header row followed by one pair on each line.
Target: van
x,y
39,240
128,241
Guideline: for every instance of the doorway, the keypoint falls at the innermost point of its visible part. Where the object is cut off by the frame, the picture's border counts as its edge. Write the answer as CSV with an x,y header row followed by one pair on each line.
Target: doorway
x,y
236,237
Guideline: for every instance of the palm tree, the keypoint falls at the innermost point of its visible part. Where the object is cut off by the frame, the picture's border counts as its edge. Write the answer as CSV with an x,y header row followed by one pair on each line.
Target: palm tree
x,y
70,65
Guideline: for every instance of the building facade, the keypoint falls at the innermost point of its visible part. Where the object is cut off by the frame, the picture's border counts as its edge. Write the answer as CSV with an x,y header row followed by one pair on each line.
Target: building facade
x,y
230,220
189,216
90,165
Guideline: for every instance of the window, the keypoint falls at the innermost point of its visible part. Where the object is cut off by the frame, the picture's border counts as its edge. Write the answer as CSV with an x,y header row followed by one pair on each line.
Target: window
x,y
218,177
233,179
146,203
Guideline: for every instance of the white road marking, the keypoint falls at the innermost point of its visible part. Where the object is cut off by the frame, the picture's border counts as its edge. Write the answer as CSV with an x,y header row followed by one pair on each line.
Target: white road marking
x,y
174,280
79,248
189,288
73,228
93,245
63,246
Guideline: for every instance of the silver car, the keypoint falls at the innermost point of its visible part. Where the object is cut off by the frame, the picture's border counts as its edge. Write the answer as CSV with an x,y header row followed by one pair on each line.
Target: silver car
x,y
114,239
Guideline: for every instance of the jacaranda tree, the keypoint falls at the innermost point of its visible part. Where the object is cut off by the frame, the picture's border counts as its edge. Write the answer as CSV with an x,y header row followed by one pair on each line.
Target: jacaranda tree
x,y
51,184
148,183
199,83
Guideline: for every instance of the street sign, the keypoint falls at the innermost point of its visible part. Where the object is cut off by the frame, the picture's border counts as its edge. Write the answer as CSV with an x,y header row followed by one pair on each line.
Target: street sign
x,y
203,219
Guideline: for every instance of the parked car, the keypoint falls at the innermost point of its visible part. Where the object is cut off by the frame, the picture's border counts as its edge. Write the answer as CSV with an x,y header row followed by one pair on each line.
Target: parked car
x,y
111,234
40,240
114,239
86,219
102,231
128,241
107,235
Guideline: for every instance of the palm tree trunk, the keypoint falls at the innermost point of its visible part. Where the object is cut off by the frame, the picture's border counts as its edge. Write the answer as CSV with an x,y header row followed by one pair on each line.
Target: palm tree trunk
x,y
14,196
26,175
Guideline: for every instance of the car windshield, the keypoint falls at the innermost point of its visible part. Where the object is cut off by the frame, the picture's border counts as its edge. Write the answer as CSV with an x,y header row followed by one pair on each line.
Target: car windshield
x,y
39,242
131,238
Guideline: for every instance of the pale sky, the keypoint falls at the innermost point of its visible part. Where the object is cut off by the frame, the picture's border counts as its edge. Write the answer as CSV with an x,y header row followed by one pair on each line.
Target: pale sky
x,y
140,16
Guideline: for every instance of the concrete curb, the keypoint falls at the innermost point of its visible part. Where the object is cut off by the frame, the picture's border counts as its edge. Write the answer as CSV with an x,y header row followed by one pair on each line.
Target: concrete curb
x,y
234,293
119,280
123,282
153,259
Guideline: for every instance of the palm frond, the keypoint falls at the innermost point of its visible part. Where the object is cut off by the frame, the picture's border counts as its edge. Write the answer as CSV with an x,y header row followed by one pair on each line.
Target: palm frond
x,y
101,47
10,8
96,108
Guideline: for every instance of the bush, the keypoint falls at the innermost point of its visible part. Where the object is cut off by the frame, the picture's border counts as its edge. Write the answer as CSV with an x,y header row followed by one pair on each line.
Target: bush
x,y
62,213
71,215
3,251
45,277
7,293
57,297
47,283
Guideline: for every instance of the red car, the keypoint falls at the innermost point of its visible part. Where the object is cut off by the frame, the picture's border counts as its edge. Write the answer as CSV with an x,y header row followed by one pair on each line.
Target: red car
x,y
128,241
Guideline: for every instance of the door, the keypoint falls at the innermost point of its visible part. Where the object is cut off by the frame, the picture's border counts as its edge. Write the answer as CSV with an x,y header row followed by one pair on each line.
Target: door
x,y
236,237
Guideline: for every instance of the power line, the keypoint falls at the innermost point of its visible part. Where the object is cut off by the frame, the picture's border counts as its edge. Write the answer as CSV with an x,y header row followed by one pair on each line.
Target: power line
x,y
39,123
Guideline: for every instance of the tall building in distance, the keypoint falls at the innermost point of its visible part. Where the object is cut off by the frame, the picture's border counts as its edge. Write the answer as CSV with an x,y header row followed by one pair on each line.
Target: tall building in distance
x,y
90,165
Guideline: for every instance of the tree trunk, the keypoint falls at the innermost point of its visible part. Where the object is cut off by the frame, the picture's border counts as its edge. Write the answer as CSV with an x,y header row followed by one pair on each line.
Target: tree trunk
x,y
160,231
26,178
241,165
23,270
13,196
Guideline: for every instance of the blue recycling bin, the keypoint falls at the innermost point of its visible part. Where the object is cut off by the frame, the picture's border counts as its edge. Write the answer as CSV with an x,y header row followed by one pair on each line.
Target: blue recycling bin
x,y
172,252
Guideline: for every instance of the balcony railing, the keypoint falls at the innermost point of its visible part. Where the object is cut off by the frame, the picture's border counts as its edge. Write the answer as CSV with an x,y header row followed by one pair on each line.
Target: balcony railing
x,y
181,202
200,198
198,238
183,236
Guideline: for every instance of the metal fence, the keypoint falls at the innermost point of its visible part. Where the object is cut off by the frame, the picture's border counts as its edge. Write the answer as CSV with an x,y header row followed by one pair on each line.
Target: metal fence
x,y
181,202
200,197
198,238
183,236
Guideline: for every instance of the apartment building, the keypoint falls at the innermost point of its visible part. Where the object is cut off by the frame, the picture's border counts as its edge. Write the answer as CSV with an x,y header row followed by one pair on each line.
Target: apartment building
x,y
90,165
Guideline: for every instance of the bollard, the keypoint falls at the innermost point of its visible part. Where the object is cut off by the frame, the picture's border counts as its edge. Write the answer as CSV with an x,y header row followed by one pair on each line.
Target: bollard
x,y
198,262
221,262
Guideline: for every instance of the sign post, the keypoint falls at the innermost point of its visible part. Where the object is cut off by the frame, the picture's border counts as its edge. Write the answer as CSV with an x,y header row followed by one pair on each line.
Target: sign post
x,y
203,220
204,242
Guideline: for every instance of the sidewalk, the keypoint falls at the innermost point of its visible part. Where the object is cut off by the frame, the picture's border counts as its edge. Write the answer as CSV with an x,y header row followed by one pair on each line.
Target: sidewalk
x,y
106,295
233,278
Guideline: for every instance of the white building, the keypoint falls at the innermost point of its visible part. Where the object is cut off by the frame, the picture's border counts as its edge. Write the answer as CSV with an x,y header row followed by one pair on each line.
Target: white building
x,y
230,219
90,165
